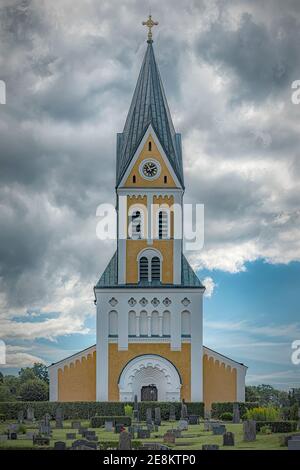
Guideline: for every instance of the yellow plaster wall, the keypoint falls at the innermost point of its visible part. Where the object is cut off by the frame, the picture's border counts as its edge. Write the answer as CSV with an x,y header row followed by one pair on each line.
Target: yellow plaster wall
x,y
219,382
119,359
141,182
77,382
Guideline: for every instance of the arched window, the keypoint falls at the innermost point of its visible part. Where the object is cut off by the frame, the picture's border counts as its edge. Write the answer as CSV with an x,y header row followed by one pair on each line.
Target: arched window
x,y
149,146
166,323
186,323
136,222
132,323
155,269
149,264
144,268
163,224
113,323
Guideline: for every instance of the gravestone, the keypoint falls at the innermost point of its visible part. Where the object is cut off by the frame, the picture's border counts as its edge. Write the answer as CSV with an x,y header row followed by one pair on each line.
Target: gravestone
x,y
82,444
82,431
169,438
176,432
218,429
183,425
131,431
109,426
44,428
29,435
71,435
59,445
124,441
30,414
236,414
92,438
20,416
143,434
76,424
149,415
47,419
228,439
3,437
210,447
207,425
184,412
136,415
59,418
41,440
172,413
157,416
294,444
150,426
13,436
207,414
249,428
193,419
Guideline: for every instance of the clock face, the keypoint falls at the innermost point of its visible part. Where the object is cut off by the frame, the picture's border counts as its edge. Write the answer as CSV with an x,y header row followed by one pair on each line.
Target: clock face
x,y
150,169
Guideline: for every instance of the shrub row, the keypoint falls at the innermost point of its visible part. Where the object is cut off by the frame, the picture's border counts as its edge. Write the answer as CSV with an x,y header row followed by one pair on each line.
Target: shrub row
x,y
98,421
217,409
86,410
277,426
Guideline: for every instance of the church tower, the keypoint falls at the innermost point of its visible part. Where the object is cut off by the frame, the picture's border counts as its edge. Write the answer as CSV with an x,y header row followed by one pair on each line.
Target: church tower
x,y
149,300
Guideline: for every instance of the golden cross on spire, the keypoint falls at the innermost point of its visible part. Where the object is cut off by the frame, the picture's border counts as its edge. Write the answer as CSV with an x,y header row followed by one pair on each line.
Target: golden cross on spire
x,y
150,23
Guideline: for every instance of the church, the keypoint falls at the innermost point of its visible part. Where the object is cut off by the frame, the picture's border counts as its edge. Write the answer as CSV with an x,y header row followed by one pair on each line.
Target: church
x,y
149,300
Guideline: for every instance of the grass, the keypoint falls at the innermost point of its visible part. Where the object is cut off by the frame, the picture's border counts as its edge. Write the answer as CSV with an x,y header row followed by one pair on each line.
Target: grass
x,y
191,439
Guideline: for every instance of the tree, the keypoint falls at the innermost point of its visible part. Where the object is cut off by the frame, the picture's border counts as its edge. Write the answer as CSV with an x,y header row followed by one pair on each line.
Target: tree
x,y
5,394
251,394
13,383
34,390
1,378
41,371
26,373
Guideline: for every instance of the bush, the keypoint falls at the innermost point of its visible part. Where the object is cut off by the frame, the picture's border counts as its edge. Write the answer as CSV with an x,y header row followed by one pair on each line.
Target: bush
x,y
22,429
98,421
34,390
263,414
265,430
277,426
227,416
128,410
219,408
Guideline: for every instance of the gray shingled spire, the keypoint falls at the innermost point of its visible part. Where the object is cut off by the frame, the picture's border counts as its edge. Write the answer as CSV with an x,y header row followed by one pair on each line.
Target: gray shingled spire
x,y
149,106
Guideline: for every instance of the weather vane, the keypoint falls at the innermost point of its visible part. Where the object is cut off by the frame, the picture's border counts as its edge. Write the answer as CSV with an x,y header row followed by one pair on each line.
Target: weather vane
x,y
150,23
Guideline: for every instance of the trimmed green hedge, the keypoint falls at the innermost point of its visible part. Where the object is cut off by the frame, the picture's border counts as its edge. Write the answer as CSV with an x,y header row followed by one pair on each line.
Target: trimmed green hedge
x,y
98,421
217,409
86,410
277,426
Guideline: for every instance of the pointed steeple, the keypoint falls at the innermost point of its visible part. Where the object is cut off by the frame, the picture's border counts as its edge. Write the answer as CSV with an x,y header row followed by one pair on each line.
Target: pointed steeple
x,y
149,106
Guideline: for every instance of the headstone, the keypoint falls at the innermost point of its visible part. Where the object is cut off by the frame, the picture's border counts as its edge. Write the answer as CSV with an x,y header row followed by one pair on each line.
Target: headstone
x,y
47,419
143,434
228,439
157,416
210,447
169,438
82,431
3,437
293,444
92,438
109,426
82,444
184,412
59,445
207,425
41,440
30,414
13,436
124,441
131,431
149,415
193,419
136,415
150,427
218,429
172,414
176,432
76,424
29,435
59,418
236,413
44,428
20,416
207,414
183,425
249,428
71,435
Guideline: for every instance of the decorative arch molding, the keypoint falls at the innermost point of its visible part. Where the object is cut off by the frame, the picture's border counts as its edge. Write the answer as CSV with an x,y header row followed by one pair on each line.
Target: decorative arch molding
x,y
150,369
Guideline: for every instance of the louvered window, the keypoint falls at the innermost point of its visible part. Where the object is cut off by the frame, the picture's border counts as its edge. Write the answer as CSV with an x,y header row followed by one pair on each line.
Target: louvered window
x,y
143,269
136,221
163,229
155,269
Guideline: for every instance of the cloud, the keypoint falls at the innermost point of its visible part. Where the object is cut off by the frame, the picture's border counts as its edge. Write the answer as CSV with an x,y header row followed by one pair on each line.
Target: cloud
x,y
210,286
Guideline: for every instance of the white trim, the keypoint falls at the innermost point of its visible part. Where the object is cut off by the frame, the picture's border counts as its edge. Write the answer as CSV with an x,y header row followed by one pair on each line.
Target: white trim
x,y
149,131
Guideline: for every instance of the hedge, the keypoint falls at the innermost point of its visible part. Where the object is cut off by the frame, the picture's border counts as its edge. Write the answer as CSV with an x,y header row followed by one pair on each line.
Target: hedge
x,y
277,426
217,409
86,410
98,421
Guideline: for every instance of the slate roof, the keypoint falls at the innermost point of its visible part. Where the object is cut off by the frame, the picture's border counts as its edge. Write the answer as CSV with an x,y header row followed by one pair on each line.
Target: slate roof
x,y
109,277
149,106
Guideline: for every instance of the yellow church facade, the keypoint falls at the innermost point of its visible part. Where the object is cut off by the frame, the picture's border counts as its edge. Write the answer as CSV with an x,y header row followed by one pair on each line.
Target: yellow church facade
x,y
149,300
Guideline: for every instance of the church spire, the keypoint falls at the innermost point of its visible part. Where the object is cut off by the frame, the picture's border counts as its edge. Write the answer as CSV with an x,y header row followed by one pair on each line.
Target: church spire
x,y
149,106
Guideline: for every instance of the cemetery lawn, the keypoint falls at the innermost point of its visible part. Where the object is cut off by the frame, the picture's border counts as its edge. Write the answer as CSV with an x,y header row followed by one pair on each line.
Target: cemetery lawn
x,y
191,439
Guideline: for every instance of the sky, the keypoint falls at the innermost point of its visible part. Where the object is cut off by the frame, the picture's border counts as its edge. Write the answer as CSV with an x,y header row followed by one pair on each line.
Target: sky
x,y
70,67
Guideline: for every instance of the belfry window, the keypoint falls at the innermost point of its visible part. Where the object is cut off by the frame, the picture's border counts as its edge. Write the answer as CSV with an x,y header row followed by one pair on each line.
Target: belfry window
x,y
155,269
163,225
144,269
136,225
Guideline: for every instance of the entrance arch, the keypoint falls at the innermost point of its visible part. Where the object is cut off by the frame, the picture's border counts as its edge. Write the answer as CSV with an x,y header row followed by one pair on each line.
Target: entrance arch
x,y
150,370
